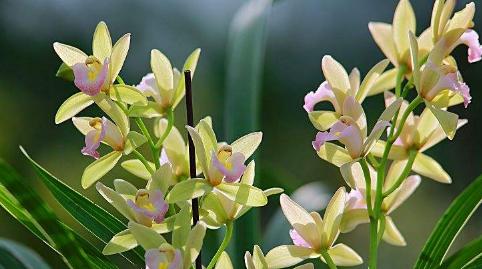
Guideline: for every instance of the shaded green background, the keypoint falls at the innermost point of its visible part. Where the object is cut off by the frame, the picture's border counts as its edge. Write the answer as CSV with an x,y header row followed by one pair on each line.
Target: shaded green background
x,y
300,32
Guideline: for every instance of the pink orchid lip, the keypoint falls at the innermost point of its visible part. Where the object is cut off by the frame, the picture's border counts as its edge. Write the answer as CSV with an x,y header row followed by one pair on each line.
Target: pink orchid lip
x,y
155,257
343,131
94,137
235,161
451,81
155,198
148,86
471,39
91,76
298,240
323,93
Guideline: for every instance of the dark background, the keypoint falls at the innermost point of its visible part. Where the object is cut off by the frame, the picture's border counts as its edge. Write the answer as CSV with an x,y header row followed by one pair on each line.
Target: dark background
x,y
299,34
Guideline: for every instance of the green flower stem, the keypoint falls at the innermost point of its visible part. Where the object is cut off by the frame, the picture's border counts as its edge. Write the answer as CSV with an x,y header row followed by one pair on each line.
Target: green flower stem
x,y
373,161
368,186
328,260
154,150
372,260
223,246
144,161
170,123
412,154
402,69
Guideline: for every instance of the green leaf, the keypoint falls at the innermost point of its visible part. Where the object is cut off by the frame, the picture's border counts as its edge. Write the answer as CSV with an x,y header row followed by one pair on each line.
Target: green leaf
x,y
65,72
245,61
99,168
14,255
73,105
464,256
94,218
449,226
29,208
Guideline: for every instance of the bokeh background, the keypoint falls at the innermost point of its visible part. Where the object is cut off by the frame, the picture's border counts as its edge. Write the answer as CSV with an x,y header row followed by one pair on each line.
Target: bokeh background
x,y
300,32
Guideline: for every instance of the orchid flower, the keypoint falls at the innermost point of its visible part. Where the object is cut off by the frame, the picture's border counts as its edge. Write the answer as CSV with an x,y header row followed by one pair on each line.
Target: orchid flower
x,y
164,257
313,236
165,85
435,80
338,87
145,207
351,131
222,166
392,38
442,24
217,209
181,254
418,133
99,131
356,206
95,74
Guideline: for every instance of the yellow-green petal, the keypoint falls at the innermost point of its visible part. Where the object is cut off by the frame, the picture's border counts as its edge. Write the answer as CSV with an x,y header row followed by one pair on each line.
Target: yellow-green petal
x,y
427,166
332,217
323,120
119,54
122,241
69,55
162,69
224,262
72,106
127,94
188,189
403,22
247,144
99,168
447,120
382,33
334,154
392,235
343,255
101,42
194,244
116,200
288,255
370,79
243,194
138,169
145,236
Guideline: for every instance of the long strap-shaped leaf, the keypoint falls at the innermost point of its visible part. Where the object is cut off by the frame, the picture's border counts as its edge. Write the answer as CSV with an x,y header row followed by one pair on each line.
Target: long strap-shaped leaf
x,y
14,255
464,256
61,239
450,225
246,48
9,202
94,218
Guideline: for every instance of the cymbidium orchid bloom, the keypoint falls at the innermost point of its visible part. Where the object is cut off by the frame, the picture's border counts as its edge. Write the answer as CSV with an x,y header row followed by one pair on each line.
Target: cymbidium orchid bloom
x,y
442,24
185,247
419,133
165,84
338,87
102,130
164,257
392,38
313,237
95,74
222,166
217,209
435,80
351,131
356,212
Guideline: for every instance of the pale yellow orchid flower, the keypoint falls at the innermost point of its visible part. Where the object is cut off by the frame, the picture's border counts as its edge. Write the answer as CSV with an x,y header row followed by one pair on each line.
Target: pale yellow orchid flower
x,y
392,38
356,206
442,23
95,74
99,131
338,86
252,261
351,131
419,133
313,237
217,209
222,166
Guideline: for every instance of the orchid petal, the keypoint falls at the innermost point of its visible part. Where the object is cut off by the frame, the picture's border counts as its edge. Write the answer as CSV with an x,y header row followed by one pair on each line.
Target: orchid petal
x,y
352,218
72,106
101,42
403,23
99,168
69,55
323,120
386,81
323,93
391,234
471,39
426,166
371,79
408,186
343,255
83,74
332,217
382,33
247,144
162,69
119,54
286,256
438,135
334,154
447,120
138,169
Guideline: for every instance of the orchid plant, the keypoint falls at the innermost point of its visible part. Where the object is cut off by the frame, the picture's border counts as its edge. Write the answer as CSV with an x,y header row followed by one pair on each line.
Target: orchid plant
x,y
205,183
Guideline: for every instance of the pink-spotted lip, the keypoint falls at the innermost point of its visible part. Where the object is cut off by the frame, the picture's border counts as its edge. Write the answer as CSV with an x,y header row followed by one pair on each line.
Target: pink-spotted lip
x,y
83,80
93,139
236,161
323,93
159,210
154,258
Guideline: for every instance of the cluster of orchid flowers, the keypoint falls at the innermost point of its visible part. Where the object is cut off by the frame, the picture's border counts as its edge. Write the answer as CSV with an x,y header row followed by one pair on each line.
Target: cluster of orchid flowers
x,y
224,182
